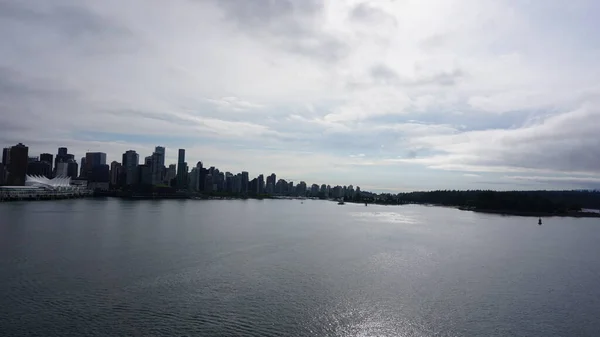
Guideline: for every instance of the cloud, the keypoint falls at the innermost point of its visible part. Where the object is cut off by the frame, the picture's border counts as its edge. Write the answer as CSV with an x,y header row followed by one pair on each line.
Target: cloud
x,y
564,142
234,103
419,98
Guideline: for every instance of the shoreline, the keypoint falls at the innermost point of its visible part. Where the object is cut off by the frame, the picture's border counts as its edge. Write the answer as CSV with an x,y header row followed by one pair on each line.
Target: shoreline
x,y
571,214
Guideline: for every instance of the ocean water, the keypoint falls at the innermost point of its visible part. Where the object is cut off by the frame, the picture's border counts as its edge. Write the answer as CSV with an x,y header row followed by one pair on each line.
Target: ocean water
x,y
109,267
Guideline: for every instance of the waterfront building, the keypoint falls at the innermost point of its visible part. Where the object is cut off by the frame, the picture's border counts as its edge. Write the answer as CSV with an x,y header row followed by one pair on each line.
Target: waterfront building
x,y
314,190
116,170
244,183
63,157
237,183
17,168
39,187
261,184
208,183
157,167
323,191
93,160
6,156
301,189
194,179
170,174
182,169
40,168
144,175
130,167
82,168
160,150
2,174
72,167
62,169
49,158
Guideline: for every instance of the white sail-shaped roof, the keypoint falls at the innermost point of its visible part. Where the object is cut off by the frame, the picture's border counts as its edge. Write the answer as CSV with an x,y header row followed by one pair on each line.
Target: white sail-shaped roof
x,y
43,182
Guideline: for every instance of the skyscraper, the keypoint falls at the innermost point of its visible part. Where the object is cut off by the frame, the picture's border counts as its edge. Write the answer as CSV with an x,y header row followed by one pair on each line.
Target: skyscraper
x,y
47,157
157,167
194,179
244,187
17,168
93,160
2,174
181,169
161,151
72,167
171,174
115,172
82,168
6,156
261,184
63,157
39,168
130,162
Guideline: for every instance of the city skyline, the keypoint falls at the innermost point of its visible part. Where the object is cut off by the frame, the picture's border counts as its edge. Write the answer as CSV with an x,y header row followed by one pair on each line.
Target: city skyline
x,y
132,172
393,96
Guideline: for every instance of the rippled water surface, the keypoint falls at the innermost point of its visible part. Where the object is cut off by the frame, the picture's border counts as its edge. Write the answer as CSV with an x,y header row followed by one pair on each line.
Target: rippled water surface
x,y
282,268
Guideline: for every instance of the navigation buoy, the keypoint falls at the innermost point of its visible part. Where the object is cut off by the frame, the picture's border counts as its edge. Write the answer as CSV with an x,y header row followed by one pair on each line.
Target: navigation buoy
x,y
540,221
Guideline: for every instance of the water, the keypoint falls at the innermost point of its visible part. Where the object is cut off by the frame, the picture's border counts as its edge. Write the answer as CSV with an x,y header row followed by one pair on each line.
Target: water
x,y
282,268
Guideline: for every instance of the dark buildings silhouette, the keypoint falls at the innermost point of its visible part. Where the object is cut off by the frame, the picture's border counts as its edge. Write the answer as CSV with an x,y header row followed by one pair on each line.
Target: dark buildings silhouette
x,y
17,168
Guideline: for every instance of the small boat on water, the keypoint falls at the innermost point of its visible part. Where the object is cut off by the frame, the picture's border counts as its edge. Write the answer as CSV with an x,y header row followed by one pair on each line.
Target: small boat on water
x,y
341,202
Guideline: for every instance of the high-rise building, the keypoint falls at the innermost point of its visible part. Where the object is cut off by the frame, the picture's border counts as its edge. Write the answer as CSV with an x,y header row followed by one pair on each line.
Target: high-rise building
x,y
93,160
62,170
49,158
144,175
182,170
253,187
271,180
130,163
194,179
261,184
72,167
6,156
82,168
208,183
115,172
63,157
228,182
2,174
39,168
157,165
237,183
301,189
171,174
161,151
17,168
244,187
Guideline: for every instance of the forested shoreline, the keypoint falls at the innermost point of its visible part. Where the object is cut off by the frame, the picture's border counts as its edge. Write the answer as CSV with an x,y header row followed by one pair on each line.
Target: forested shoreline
x,y
542,202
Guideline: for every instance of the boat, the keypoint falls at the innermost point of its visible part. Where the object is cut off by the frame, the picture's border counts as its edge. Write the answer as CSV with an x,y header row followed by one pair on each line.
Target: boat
x,y
341,202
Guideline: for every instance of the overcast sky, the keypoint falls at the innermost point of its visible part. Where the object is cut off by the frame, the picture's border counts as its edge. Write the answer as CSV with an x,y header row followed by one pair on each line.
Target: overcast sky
x,y
385,94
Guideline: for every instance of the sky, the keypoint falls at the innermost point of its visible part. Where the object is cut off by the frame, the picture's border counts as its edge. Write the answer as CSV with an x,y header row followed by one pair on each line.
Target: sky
x,y
389,95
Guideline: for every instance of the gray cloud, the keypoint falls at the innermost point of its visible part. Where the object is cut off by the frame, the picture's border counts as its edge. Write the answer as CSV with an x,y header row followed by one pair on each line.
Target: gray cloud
x,y
288,24
261,12
365,12
381,72
71,19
